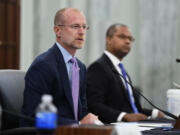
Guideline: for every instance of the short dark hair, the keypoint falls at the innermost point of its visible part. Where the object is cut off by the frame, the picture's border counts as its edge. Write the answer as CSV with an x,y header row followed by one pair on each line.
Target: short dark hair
x,y
112,29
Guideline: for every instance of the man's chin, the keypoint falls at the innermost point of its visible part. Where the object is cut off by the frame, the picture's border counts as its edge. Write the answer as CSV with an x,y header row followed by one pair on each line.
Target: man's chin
x,y
78,46
125,52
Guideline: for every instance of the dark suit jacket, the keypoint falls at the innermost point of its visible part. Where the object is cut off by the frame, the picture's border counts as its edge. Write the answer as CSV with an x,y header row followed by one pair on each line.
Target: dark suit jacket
x,y
106,94
48,75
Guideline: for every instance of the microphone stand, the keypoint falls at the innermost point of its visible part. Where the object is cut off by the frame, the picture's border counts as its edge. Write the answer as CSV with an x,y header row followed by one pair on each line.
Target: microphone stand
x,y
177,124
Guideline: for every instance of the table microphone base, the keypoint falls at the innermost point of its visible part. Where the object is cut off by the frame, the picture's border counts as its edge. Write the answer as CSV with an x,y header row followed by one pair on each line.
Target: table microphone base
x,y
177,124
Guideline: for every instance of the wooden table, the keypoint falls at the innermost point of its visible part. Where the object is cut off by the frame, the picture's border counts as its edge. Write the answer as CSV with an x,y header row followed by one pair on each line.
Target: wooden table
x,y
84,130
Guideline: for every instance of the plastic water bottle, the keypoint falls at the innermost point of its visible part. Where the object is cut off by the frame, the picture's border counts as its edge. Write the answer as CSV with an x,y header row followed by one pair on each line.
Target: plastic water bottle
x,y
0,116
46,116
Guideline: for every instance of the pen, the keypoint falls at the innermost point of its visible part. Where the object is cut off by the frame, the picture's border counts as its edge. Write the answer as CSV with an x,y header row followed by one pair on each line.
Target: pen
x,y
166,128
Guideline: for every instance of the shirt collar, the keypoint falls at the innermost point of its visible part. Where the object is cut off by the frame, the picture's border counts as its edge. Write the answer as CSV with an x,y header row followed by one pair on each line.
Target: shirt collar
x,y
66,55
113,58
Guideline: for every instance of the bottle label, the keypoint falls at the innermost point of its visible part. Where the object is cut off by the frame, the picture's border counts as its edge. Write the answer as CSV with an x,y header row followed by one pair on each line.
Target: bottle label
x,y
46,120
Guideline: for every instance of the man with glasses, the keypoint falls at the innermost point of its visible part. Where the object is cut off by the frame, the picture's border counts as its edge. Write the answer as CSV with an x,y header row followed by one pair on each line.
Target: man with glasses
x,y
59,73
109,91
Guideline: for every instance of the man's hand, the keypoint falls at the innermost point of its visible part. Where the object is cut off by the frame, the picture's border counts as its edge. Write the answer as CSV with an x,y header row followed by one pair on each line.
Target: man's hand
x,y
89,119
160,115
134,117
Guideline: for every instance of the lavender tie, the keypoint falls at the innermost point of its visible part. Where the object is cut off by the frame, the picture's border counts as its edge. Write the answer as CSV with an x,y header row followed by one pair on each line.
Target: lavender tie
x,y
75,85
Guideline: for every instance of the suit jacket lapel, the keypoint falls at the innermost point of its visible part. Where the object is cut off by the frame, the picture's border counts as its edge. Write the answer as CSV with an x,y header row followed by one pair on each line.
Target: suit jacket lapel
x,y
116,73
63,74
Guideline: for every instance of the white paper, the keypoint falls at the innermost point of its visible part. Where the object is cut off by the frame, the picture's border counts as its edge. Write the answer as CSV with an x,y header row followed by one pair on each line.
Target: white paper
x,y
145,126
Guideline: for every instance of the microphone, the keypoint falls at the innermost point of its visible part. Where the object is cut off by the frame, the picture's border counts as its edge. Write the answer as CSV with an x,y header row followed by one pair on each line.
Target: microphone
x,y
176,85
178,60
19,115
165,112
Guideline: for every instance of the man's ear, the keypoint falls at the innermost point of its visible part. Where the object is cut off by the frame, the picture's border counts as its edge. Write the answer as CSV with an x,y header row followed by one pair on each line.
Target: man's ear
x,y
108,40
57,31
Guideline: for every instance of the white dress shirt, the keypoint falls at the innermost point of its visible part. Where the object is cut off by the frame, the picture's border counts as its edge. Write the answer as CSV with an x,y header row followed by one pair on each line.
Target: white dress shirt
x,y
116,63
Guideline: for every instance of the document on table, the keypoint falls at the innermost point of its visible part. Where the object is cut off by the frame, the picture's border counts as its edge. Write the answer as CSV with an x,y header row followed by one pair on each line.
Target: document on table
x,y
146,126
154,125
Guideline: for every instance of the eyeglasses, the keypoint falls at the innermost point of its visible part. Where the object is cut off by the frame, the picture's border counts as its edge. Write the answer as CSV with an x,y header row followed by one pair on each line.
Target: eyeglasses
x,y
76,26
122,36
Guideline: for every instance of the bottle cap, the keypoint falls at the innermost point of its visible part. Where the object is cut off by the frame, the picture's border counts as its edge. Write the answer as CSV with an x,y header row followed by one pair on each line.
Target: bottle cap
x,y
46,98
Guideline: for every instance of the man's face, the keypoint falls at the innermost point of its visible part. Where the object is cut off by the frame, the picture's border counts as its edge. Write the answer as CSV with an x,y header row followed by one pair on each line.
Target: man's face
x,y
120,43
72,34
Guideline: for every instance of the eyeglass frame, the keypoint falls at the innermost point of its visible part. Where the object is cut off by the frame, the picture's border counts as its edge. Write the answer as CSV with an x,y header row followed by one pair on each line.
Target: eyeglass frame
x,y
76,26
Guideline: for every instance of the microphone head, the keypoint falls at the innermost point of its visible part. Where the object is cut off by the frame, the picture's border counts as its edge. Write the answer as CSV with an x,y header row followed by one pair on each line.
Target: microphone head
x,y
178,60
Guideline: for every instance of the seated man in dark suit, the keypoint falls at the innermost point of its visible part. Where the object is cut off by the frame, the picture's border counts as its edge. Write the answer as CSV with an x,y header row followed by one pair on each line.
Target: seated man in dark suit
x,y
52,72
108,91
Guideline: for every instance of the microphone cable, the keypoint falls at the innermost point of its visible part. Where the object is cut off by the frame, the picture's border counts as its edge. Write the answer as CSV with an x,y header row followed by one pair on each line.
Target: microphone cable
x,y
19,115
165,112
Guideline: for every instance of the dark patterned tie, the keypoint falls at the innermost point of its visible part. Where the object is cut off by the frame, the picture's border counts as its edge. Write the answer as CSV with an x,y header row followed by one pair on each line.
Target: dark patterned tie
x,y
127,87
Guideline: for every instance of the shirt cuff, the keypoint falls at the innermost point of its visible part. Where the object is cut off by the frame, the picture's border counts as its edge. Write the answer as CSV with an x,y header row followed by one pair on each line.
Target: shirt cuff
x,y
154,113
120,117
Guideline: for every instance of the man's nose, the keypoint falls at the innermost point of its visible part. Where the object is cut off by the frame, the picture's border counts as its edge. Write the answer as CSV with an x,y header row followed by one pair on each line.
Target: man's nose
x,y
127,40
81,30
